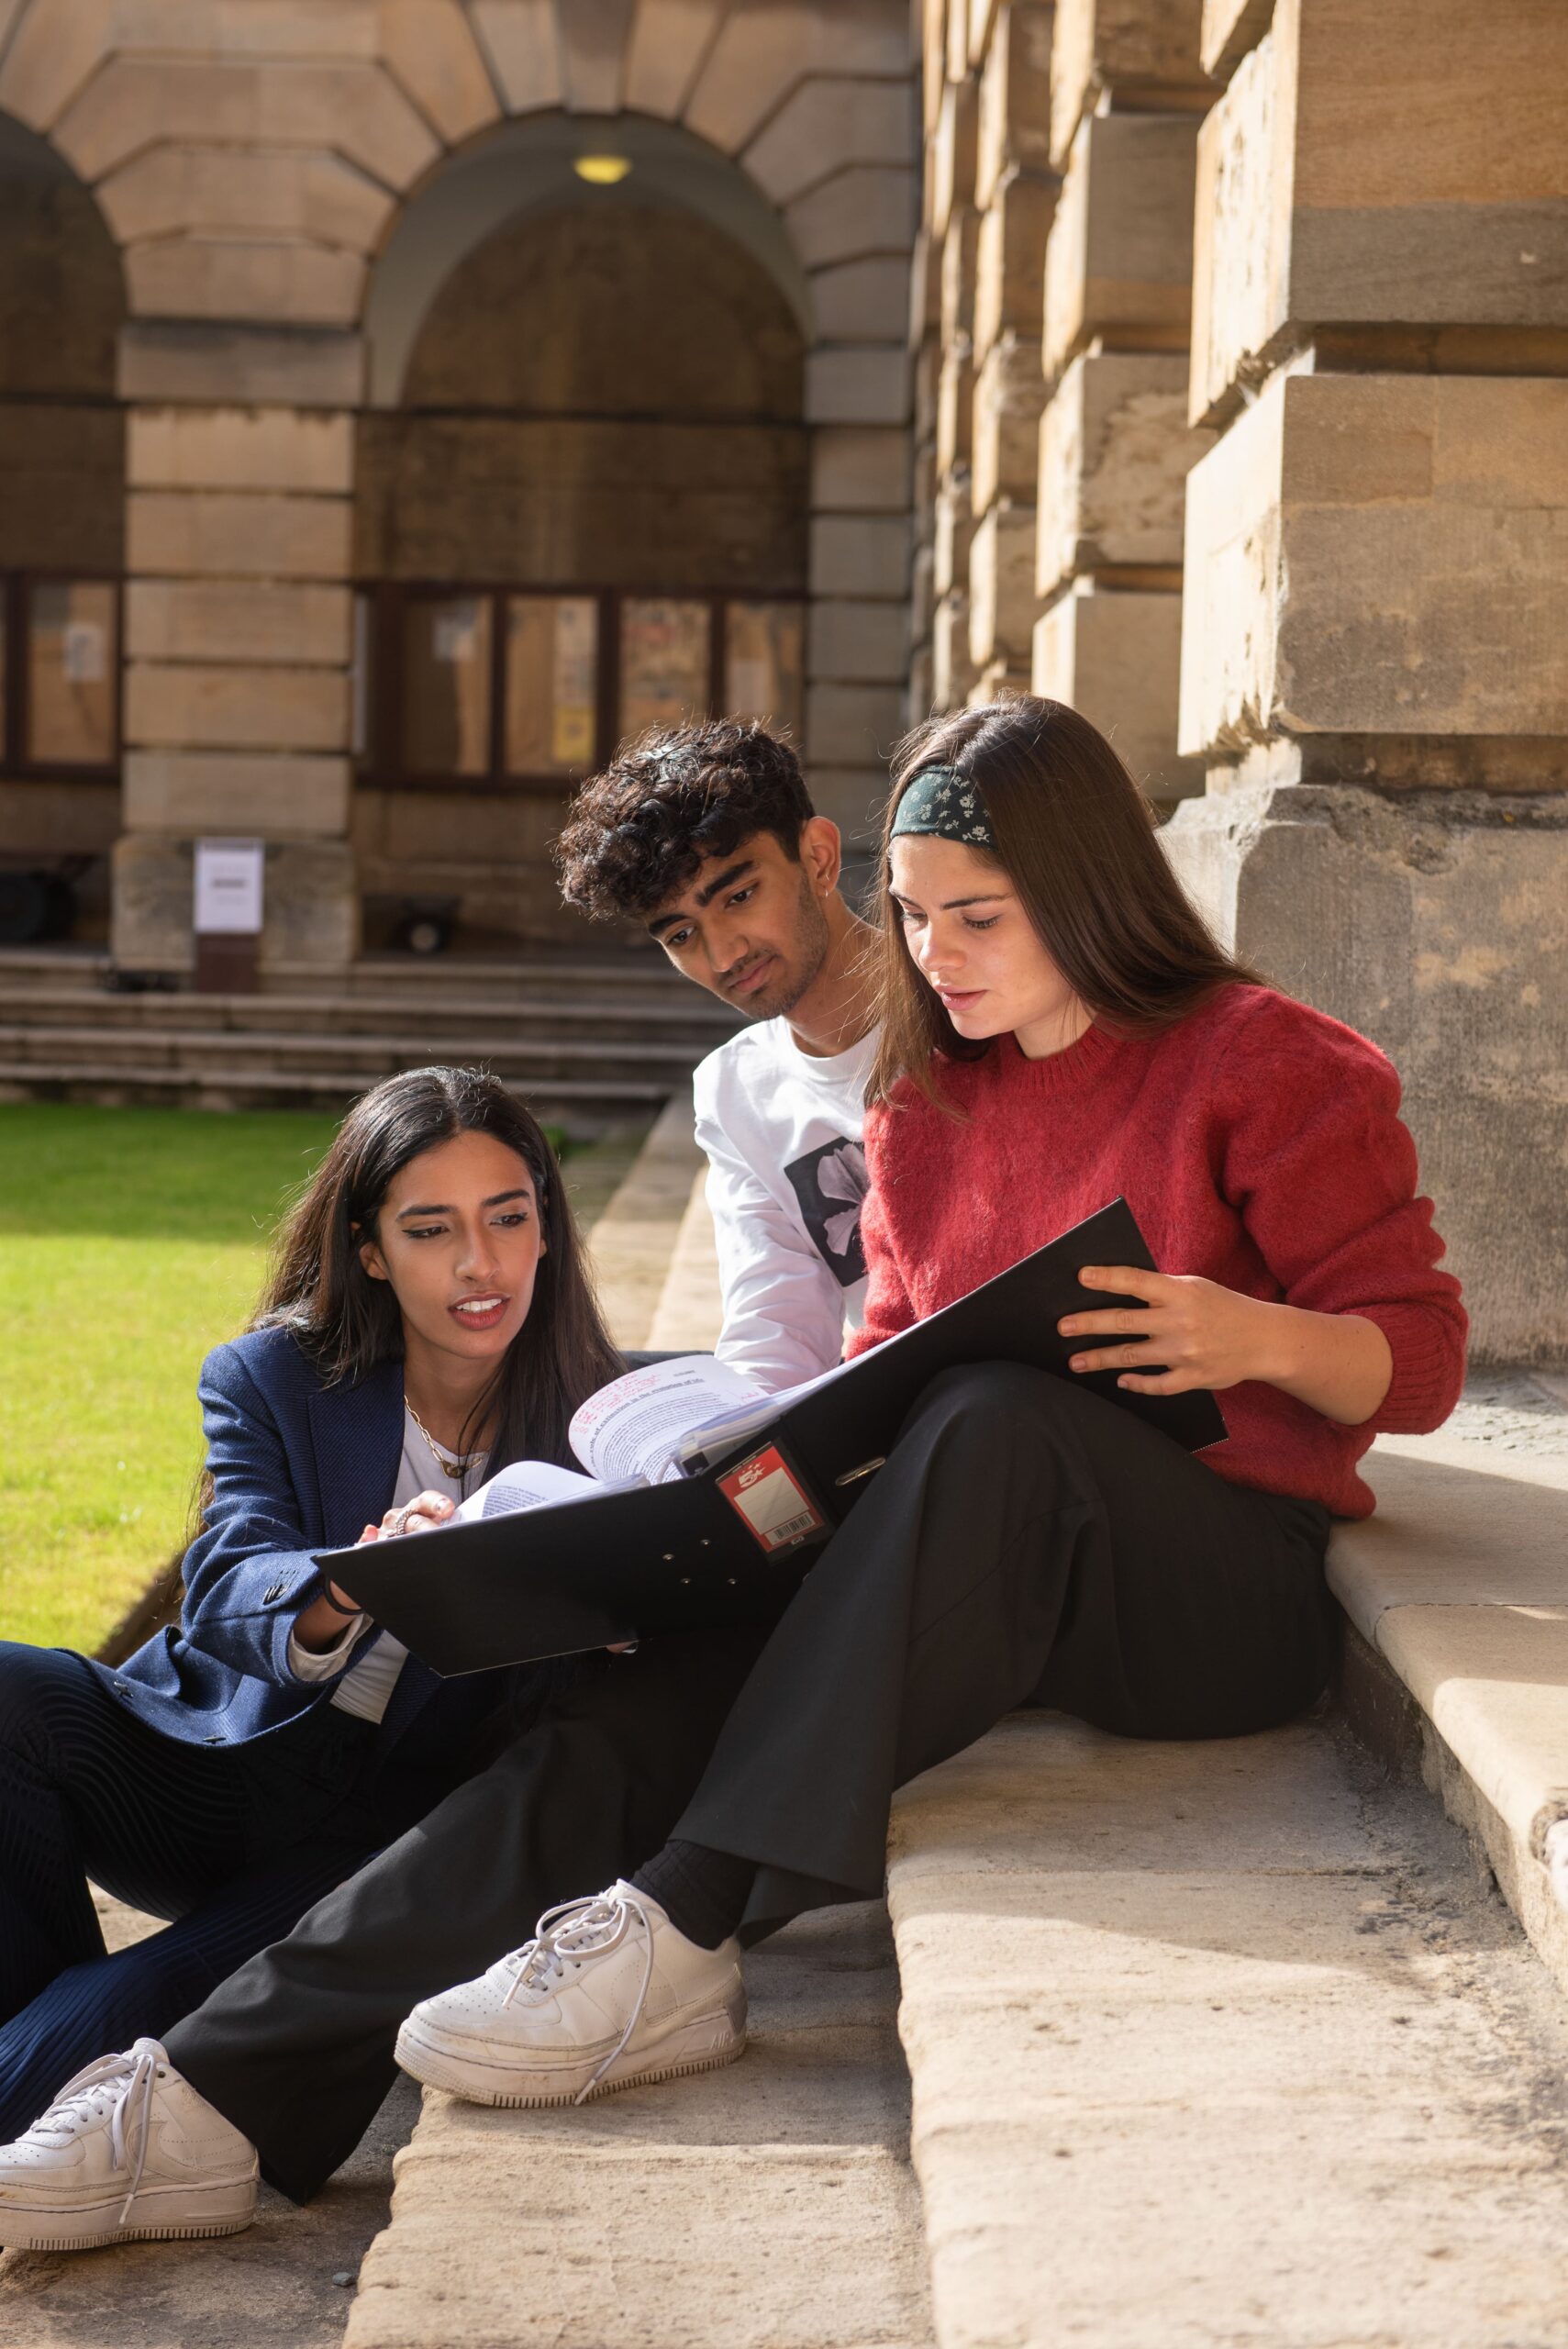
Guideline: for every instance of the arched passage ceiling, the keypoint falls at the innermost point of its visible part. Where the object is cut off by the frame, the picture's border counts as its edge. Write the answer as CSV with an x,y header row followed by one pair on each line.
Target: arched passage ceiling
x,y
252,172
62,286
526,166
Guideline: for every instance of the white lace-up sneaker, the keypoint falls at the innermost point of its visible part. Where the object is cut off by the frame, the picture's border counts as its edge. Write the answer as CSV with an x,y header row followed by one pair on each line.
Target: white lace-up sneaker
x,y
608,1993
126,2153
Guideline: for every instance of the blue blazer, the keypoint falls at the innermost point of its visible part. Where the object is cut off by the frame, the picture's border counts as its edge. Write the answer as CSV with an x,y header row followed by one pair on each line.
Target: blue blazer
x,y
295,1466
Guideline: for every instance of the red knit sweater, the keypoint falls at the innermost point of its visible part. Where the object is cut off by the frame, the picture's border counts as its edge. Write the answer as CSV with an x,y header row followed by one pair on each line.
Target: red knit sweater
x,y
1258,1144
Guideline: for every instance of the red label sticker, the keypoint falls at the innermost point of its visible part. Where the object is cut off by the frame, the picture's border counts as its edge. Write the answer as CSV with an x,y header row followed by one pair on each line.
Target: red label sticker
x,y
769,1497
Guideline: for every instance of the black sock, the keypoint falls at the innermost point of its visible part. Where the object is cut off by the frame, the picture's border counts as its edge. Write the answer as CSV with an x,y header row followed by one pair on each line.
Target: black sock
x,y
702,1892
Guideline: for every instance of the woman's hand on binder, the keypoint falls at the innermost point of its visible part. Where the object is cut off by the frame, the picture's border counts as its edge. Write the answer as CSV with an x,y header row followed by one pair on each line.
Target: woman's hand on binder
x,y
1183,1332
1186,1332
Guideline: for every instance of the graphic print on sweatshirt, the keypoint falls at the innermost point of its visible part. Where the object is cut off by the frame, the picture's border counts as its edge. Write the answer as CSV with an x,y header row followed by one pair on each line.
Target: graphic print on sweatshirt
x,y
830,1184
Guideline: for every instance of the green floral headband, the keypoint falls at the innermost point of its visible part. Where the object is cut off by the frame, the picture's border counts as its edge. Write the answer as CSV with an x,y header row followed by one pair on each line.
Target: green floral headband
x,y
942,802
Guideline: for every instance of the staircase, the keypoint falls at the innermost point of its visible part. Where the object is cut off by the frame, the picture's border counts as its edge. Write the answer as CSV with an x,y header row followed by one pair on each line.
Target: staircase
x,y
596,1043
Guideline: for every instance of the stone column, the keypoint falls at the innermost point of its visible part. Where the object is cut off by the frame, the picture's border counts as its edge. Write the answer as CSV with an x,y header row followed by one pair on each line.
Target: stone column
x,y
1015,193
955,230
1375,660
836,157
1127,96
238,635
925,351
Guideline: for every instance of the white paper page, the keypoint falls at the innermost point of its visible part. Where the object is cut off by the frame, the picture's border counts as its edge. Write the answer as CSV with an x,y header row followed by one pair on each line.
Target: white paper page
x,y
527,1484
635,1426
731,1429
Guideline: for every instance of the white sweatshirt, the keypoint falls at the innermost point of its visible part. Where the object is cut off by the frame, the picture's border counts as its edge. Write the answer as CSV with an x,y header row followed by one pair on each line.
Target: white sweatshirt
x,y
781,1129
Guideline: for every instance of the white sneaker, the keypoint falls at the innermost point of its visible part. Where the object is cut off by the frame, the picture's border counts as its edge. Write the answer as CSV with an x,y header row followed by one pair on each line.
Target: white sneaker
x,y
608,1993
126,2153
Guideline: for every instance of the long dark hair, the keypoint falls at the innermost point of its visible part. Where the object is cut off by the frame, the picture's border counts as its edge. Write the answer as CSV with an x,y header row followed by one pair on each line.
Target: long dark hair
x,y
1076,838
347,1323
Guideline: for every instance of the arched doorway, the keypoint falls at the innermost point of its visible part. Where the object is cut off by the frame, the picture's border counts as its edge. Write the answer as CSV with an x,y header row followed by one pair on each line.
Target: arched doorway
x,y
582,502
62,544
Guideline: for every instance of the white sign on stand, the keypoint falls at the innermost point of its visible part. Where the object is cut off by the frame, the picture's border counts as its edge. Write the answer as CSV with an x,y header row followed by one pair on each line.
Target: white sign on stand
x,y
229,887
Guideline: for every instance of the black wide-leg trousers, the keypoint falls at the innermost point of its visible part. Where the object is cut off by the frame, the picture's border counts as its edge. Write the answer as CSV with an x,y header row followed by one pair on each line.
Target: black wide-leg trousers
x,y
1026,1543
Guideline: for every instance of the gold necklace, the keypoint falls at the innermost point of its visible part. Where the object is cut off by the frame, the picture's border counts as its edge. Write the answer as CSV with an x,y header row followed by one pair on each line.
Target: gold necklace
x,y
453,1464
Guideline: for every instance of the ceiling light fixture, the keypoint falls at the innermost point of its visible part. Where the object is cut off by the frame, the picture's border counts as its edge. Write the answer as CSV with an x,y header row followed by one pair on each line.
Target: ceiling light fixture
x,y
602,170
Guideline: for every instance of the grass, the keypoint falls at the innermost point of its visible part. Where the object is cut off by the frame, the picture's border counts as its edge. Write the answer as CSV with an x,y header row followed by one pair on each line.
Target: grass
x,y
131,1240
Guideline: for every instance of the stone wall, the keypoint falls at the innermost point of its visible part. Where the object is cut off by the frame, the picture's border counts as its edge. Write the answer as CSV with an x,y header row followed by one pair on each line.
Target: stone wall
x,y
1052,302
989,196
1375,666
1297,542
1115,448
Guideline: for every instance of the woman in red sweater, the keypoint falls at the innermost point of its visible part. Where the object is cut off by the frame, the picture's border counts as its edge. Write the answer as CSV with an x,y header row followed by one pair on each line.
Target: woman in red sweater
x,y
1059,1027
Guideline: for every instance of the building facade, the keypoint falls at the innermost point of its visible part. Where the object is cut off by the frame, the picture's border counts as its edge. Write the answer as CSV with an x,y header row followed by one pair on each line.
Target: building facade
x,y
400,399
404,398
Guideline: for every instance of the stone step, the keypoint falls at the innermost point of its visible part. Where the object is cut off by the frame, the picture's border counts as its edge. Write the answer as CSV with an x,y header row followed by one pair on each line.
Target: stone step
x,y
639,975
584,1111
1220,2044
607,1039
1456,1593
219,1051
458,1023
766,2206
1239,2029
59,1053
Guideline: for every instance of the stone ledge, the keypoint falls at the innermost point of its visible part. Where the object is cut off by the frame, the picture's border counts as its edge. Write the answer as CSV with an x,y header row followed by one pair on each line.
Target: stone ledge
x,y
1458,1587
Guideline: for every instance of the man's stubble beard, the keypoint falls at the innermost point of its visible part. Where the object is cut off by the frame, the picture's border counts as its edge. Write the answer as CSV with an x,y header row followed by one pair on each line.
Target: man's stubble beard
x,y
812,940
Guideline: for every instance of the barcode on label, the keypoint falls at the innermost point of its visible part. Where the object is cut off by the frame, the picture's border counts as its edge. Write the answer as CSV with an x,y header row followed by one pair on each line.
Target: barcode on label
x,y
768,1497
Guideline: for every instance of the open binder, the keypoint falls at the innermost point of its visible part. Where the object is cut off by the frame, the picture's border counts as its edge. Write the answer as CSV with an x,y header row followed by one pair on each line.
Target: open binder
x,y
730,1537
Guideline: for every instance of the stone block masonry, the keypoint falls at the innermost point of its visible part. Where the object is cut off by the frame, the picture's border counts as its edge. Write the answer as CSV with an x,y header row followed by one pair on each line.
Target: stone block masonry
x,y
991,193
1302,334
1115,447
1372,666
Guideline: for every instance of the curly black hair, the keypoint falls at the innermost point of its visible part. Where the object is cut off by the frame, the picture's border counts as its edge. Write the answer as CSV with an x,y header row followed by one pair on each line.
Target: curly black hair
x,y
637,832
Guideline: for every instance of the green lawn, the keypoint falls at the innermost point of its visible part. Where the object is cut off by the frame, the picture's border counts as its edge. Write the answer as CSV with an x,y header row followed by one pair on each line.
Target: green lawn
x,y
131,1240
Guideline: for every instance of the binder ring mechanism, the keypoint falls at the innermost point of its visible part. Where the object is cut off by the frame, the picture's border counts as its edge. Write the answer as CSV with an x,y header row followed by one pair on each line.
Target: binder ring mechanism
x,y
866,1468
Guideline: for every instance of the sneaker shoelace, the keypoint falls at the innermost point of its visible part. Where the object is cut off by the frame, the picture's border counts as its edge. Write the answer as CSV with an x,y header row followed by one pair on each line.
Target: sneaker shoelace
x,y
121,2087
572,1931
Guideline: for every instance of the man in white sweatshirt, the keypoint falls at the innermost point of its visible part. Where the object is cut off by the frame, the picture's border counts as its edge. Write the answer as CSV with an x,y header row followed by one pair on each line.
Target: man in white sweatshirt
x,y
706,835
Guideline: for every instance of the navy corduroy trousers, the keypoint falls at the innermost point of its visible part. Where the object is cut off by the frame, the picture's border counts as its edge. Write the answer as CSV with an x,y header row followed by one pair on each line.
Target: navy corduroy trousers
x,y
231,1844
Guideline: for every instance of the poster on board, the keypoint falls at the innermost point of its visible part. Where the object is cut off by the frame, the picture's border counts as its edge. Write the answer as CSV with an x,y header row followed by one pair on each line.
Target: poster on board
x,y
229,887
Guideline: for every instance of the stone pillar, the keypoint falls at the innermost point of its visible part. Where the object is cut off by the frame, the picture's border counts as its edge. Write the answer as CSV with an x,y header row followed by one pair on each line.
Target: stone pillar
x,y
1114,449
836,159
954,228
1015,194
1375,661
925,352
238,634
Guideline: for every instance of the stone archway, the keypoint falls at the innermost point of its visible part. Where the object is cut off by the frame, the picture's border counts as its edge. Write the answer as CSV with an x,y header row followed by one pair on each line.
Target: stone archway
x,y
251,174
61,536
583,472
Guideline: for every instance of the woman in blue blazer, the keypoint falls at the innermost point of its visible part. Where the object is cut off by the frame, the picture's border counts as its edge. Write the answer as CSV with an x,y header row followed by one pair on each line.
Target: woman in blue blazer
x,y
428,1319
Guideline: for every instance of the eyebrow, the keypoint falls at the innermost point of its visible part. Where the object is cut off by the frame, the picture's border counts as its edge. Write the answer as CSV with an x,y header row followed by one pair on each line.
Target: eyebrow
x,y
500,1200
707,894
952,905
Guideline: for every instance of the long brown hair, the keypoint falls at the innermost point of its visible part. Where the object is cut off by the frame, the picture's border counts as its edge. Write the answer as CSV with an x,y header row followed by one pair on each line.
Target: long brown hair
x,y
347,1323
1076,838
